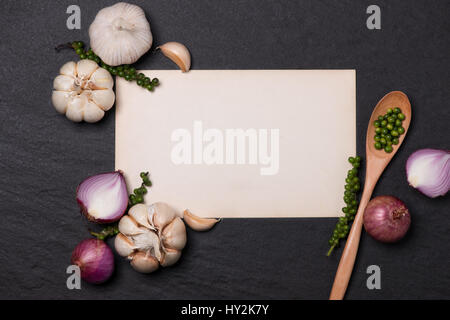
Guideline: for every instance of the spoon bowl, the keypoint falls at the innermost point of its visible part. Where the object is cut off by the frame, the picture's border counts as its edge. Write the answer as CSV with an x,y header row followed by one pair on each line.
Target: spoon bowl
x,y
391,100
376,161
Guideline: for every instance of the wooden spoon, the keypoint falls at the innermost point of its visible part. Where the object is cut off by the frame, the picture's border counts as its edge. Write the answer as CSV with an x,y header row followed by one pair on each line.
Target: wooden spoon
x,y
377,160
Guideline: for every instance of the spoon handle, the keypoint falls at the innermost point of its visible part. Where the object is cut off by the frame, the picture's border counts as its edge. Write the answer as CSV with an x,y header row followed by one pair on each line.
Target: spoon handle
x,y
348,257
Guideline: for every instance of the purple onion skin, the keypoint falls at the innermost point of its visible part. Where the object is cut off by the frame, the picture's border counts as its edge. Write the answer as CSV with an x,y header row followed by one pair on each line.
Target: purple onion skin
x,y
386,219
95,259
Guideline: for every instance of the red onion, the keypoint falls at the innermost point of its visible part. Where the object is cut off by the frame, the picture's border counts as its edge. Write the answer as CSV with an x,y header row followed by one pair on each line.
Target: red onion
x,y
428,170
103,198
95,259
386,219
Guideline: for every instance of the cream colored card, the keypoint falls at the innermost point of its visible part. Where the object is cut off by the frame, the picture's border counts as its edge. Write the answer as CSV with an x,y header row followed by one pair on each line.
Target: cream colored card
x,y
240,143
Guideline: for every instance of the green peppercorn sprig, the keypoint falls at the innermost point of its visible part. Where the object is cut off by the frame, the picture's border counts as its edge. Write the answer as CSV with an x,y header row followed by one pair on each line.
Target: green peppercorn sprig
x,y
388,129
352,188
124,71
138,194
109,231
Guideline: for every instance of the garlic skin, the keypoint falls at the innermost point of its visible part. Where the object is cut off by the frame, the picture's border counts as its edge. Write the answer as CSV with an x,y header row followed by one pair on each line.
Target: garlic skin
x,y
120,34
83,91
151,236
178,53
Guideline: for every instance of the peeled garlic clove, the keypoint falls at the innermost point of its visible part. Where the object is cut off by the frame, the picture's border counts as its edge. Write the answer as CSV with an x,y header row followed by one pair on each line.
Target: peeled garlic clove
x,y
174,235
86,67
128,226
178,53
92,113
60,99
64,83
144,263
120,34
162,214
69,69
197,223
123,245
101,79
140,215
170,257
75,109
103,98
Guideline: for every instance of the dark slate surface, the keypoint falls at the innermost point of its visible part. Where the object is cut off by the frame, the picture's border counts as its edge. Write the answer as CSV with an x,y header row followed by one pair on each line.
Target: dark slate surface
x,y
44,156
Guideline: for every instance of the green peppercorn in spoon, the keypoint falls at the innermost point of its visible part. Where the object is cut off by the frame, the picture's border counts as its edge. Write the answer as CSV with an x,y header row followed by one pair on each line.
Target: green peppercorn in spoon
x,y
377,160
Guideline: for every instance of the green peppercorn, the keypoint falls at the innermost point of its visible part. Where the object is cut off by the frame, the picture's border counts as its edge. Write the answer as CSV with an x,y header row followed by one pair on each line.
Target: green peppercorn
x,y
351,187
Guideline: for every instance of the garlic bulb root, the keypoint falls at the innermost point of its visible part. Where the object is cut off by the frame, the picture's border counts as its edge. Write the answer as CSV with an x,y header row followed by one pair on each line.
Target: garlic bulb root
x,y
198,224
120,34
178,53
151,236
83,91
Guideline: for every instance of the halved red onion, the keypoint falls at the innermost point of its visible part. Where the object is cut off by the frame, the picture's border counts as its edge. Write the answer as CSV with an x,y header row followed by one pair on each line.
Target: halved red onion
x,y
103,198
95,259
428,170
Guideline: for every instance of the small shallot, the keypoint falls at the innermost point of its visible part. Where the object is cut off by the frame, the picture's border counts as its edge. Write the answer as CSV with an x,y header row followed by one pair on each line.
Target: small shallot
x,y
95,260
103,198
386,219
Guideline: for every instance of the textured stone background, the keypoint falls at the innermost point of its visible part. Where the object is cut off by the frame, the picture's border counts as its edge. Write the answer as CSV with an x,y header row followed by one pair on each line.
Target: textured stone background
x,y
43,156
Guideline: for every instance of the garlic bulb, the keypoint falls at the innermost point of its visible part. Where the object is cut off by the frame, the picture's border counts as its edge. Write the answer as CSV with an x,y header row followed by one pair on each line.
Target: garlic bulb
x,y
151,236
83,91
120,34
178,53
